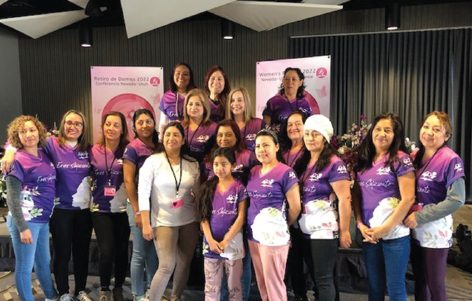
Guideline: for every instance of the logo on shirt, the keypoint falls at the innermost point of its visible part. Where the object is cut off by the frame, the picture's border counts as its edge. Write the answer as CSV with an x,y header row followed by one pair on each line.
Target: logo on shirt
x,y
231,199
203,138
267,183
82,155
428,176
383,171
292,175
315,177
407,161
251,137
458,167
119,161
342,169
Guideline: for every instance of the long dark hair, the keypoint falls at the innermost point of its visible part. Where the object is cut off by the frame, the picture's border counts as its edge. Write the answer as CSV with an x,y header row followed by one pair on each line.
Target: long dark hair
x,y
323,161
191,83
367,151
184,150
445,122
155,134
239,146
300,74
206,192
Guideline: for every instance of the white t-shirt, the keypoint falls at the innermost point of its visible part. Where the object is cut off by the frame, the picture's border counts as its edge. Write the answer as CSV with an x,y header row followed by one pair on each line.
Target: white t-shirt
x,y
157,183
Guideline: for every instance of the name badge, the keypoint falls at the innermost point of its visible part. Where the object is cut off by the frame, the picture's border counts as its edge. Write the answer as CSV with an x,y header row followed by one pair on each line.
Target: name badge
x,y
177,203
110,190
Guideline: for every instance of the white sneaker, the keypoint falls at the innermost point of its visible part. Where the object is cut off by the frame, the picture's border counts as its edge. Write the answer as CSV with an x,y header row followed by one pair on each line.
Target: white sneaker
x,y
66,297
83,296
52,299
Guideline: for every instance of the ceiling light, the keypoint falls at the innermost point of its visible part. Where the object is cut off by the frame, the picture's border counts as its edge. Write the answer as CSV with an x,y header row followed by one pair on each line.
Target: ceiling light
x,y
392,16
227,29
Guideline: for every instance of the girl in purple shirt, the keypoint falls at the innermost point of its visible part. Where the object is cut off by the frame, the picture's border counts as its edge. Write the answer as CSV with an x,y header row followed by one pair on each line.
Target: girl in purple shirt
x,y
199,129
440,190
239,109
144,258
171,105
271,186
109,217
30,199
323,178
222,207
217,86
385,175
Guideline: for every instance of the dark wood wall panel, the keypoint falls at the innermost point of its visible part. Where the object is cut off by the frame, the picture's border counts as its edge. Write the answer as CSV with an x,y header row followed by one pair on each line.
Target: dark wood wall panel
x,y
55,70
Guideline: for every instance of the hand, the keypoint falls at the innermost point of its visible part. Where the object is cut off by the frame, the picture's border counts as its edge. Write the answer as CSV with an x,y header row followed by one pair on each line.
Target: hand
x,y
215,246
378,232
366,233
147,232
26,236
137,220
223,244
345,239
7,161
410,221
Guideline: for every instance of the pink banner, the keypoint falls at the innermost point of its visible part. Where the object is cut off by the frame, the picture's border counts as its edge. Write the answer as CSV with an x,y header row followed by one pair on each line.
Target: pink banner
x,y
124,89
317,71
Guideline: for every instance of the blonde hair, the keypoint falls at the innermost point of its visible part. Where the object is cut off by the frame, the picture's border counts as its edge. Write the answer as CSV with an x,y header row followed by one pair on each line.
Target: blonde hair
x,y
248,111
203,99
18,124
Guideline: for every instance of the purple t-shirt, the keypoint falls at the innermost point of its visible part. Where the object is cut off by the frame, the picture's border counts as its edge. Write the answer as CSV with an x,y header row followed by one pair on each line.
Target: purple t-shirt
x,y
224,213
266,217
107,175
72,169
249,131
217,113
201,140
437,175
380,182
245,160
292,157
278,108
168,105
38,178
137,152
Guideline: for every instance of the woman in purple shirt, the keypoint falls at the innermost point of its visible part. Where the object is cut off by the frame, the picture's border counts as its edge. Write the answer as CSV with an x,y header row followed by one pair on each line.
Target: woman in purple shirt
x,y
171,105
144,258
108,207
272,187
323,178
440,190
239,109
217,86
385,175
30,199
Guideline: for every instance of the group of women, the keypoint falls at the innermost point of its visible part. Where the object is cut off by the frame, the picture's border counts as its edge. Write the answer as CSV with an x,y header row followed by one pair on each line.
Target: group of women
x,y
275,193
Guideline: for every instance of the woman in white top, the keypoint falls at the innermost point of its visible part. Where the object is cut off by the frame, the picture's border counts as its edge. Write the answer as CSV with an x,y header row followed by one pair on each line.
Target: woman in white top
x,y
166,202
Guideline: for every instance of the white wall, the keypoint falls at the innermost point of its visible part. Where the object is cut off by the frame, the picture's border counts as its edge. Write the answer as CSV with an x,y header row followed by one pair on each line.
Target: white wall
x,y
10,82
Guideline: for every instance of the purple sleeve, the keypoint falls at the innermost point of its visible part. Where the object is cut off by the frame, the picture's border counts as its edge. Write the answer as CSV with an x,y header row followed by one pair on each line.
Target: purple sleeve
x,y
289,179
49,147
17,171
338,172
131,155
455,170
268,109
242,193
403,165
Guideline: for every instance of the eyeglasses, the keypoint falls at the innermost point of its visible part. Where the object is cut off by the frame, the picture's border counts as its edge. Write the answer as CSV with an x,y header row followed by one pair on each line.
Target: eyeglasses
x,y
76,124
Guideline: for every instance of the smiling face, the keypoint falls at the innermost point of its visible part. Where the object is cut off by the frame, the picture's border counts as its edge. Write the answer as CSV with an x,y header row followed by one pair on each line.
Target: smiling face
x,y
181,77
73,127
195,108
314,141
237,103
29,135
292,82
266,150
295,127
433,133
112,128
225,137
222,167
382,135
216,82
173,139
144,126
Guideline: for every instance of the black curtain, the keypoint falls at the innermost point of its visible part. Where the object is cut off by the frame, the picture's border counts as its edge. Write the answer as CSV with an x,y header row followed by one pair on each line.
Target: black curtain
x,y
408,73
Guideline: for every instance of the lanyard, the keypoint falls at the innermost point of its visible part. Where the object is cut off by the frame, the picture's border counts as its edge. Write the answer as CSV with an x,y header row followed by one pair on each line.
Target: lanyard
x,y
193,135
177,184
108,169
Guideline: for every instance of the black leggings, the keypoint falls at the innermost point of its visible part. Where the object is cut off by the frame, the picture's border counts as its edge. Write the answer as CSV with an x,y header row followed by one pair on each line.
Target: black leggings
x,y
112,231
324,253
71,231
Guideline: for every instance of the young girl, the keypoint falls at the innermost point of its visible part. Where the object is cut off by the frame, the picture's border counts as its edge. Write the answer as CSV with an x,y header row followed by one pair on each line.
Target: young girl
x,y
222,208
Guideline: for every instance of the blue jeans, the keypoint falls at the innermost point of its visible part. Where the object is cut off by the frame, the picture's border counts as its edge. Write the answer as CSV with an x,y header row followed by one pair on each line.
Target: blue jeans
x,y
245,279
143,260
36,254
387,263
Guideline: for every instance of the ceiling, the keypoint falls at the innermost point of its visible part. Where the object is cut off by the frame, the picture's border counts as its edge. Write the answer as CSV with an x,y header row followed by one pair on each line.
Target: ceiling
x,y
36,18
